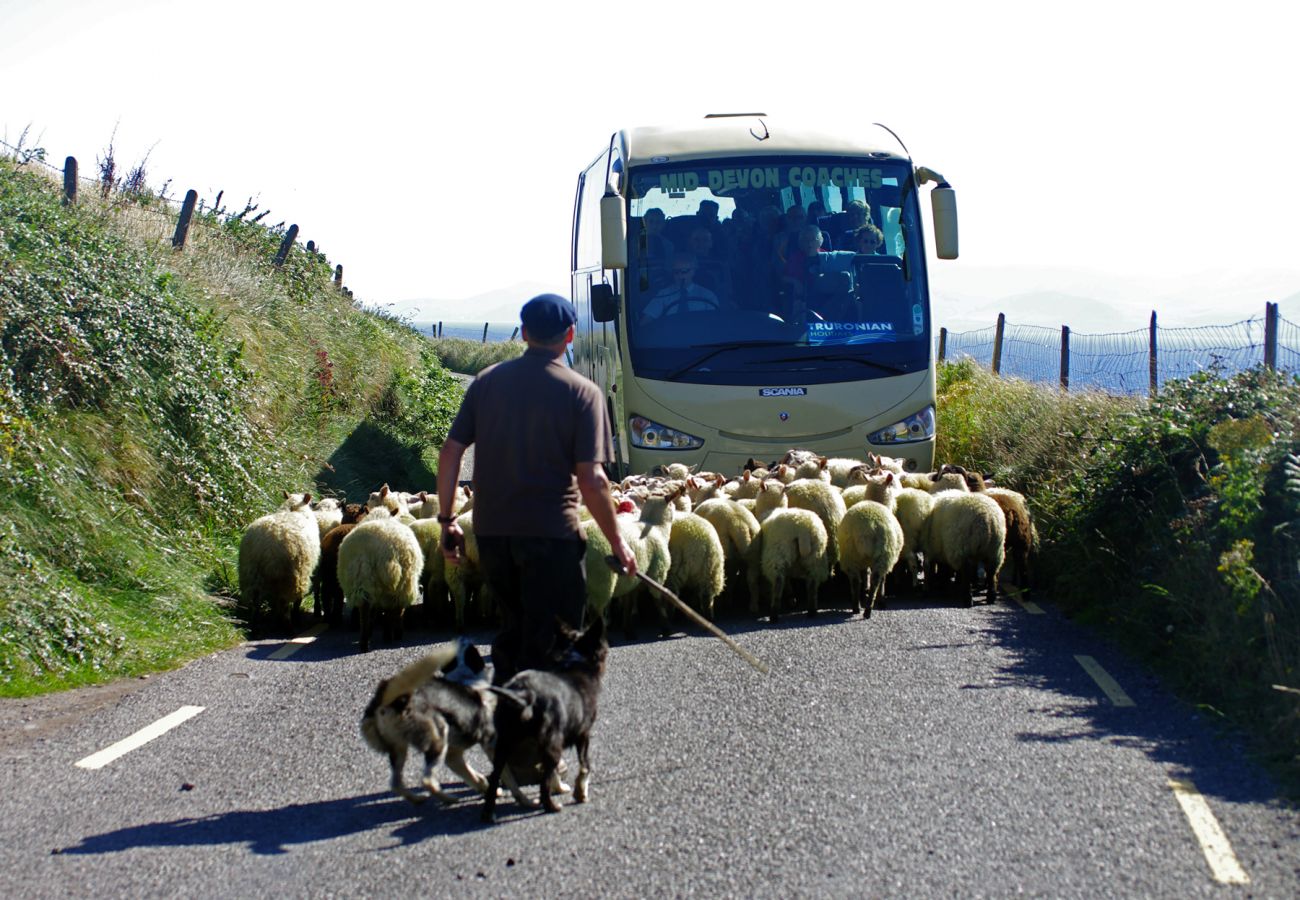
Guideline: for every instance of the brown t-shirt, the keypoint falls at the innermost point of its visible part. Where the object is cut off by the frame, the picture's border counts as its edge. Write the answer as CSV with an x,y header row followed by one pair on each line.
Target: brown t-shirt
x,y
531,421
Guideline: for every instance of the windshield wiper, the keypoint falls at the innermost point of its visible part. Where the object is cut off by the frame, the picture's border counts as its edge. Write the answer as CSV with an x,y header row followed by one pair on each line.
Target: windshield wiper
x,y
714,350
842,357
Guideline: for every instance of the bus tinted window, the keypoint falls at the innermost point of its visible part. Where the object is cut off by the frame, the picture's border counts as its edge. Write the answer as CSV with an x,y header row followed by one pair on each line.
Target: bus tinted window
x,y
806,254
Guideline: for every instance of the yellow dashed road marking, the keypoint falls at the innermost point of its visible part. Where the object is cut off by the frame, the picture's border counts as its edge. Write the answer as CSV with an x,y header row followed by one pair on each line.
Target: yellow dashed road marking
x,y
1214,843
1105,682
293,646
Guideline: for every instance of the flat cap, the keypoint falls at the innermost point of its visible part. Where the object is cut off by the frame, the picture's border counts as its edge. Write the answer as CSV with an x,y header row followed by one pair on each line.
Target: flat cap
x,y
547,316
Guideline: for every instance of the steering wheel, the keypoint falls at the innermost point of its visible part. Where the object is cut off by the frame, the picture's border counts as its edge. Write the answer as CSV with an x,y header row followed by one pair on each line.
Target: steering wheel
x,y
674,304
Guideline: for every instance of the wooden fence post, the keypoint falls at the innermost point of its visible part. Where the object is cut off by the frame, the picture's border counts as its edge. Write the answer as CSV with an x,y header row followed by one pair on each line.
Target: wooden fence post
x,y
997,342
485,327
338,275
514,334
289,237
311,246
943,343
439,329
1270,335
1065,357
183,223
1154,380
70,181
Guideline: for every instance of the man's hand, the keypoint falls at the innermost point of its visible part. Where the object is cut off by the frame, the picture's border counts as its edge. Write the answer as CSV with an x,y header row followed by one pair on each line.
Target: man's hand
x,y
625,556
453,541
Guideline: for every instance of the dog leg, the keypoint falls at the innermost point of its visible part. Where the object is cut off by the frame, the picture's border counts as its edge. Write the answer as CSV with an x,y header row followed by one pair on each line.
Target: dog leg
x,y
397,760
431,761
489,814
551,757
517,792
584,773
457,763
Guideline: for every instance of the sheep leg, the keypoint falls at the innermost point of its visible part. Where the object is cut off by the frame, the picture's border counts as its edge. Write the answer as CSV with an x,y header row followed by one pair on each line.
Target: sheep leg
x,y
778,590
367,624
812,586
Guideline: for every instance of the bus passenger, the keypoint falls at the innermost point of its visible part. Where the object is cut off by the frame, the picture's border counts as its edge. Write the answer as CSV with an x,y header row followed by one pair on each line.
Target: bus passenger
x,y
859,214
867,240
683,294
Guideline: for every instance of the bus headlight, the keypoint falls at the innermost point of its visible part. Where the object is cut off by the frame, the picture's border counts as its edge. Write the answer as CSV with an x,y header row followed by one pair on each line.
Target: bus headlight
x,y
916,427
654,436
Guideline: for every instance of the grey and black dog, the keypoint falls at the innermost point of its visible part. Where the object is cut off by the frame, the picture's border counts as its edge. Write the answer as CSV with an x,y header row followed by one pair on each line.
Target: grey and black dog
x,y
540,712
441,706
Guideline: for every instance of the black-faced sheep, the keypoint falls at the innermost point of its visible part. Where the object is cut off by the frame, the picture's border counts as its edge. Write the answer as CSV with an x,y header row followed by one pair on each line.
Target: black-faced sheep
x,y
326,591
277,556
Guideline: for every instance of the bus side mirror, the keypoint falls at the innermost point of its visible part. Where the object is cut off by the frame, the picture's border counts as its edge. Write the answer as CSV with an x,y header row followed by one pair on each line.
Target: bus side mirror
x,y
604,303
613,233
943,206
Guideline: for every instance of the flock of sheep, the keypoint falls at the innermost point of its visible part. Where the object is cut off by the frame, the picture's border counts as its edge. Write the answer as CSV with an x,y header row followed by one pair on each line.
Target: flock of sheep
x,y
775,530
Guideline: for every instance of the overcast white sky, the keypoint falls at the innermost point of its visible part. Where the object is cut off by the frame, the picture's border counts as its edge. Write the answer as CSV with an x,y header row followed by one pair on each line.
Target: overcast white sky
x,y
433,149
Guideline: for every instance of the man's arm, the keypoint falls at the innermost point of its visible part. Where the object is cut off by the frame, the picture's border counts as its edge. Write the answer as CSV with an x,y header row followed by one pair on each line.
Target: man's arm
x,y
594,487
448,477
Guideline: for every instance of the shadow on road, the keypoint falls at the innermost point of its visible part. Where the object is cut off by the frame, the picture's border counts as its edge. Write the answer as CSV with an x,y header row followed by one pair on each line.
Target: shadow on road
x,y
275,831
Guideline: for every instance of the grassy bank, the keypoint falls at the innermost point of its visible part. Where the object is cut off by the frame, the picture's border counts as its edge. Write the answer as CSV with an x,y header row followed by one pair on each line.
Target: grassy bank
x,y
1172,524
153,402
471,357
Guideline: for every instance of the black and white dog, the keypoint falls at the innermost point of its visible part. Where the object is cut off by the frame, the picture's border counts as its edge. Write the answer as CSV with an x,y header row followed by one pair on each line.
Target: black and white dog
x,y
441,706
540,712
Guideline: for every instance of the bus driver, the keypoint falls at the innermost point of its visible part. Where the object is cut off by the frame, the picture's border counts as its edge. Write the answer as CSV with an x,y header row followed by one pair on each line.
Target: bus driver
x,y
683,294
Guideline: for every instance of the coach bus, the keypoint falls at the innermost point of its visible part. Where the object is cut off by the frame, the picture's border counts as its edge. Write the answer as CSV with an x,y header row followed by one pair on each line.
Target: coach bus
x,y
743,288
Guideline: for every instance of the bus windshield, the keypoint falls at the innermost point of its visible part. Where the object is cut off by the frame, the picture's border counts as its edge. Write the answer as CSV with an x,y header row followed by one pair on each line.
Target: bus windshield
x,y
738,267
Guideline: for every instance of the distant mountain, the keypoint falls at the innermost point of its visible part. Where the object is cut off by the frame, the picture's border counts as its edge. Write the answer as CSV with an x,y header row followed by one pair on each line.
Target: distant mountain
x,y
970,297
501,305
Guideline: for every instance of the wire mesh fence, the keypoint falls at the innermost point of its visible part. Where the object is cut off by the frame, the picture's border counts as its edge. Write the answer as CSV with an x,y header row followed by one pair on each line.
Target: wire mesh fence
x,y
1128,362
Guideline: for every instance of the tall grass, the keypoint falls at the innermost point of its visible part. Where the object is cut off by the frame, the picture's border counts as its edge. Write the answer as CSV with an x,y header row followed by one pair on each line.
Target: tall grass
x,y
154,402
471,357
1173,523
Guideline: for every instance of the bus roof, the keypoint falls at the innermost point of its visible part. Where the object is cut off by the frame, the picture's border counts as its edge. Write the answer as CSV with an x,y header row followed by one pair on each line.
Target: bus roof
x,y
749,136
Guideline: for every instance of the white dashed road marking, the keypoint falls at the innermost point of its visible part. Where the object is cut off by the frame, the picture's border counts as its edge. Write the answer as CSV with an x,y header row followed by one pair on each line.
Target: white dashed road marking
x,y
293,646
1214,843
1103,679
139,739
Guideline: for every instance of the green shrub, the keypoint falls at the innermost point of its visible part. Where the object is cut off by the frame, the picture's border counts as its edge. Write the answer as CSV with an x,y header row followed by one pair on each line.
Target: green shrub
x,y
471,357
1172,522
151,404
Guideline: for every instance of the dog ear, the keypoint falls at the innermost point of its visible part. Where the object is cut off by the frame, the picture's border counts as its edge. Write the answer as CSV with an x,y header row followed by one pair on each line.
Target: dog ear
x,y
592,637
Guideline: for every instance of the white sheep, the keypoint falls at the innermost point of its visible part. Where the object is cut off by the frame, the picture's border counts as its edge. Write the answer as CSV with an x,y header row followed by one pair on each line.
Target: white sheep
x,y
964,531
870,542
827,502
946,481
464,577
912,507
736,528
648,539
770,497
433,578
696,570
277,556
328,512
839,469
792,546
390,500
380,562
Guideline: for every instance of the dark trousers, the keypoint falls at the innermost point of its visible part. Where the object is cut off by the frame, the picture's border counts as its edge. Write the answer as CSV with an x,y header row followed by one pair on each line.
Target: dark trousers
x,y
533,580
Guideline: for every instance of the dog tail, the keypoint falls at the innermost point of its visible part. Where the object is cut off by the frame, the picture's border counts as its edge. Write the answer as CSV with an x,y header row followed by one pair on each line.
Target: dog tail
x,y
418,672
523,702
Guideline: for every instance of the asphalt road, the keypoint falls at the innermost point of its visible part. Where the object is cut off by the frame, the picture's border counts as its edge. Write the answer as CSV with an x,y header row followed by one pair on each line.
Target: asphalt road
x,y
928,752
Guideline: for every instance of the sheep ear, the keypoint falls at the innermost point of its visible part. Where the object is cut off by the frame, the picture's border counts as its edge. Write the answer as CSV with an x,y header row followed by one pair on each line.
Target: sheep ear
x,y
383,491
821,462
286,494
745,476
889,478
306,499
719,480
